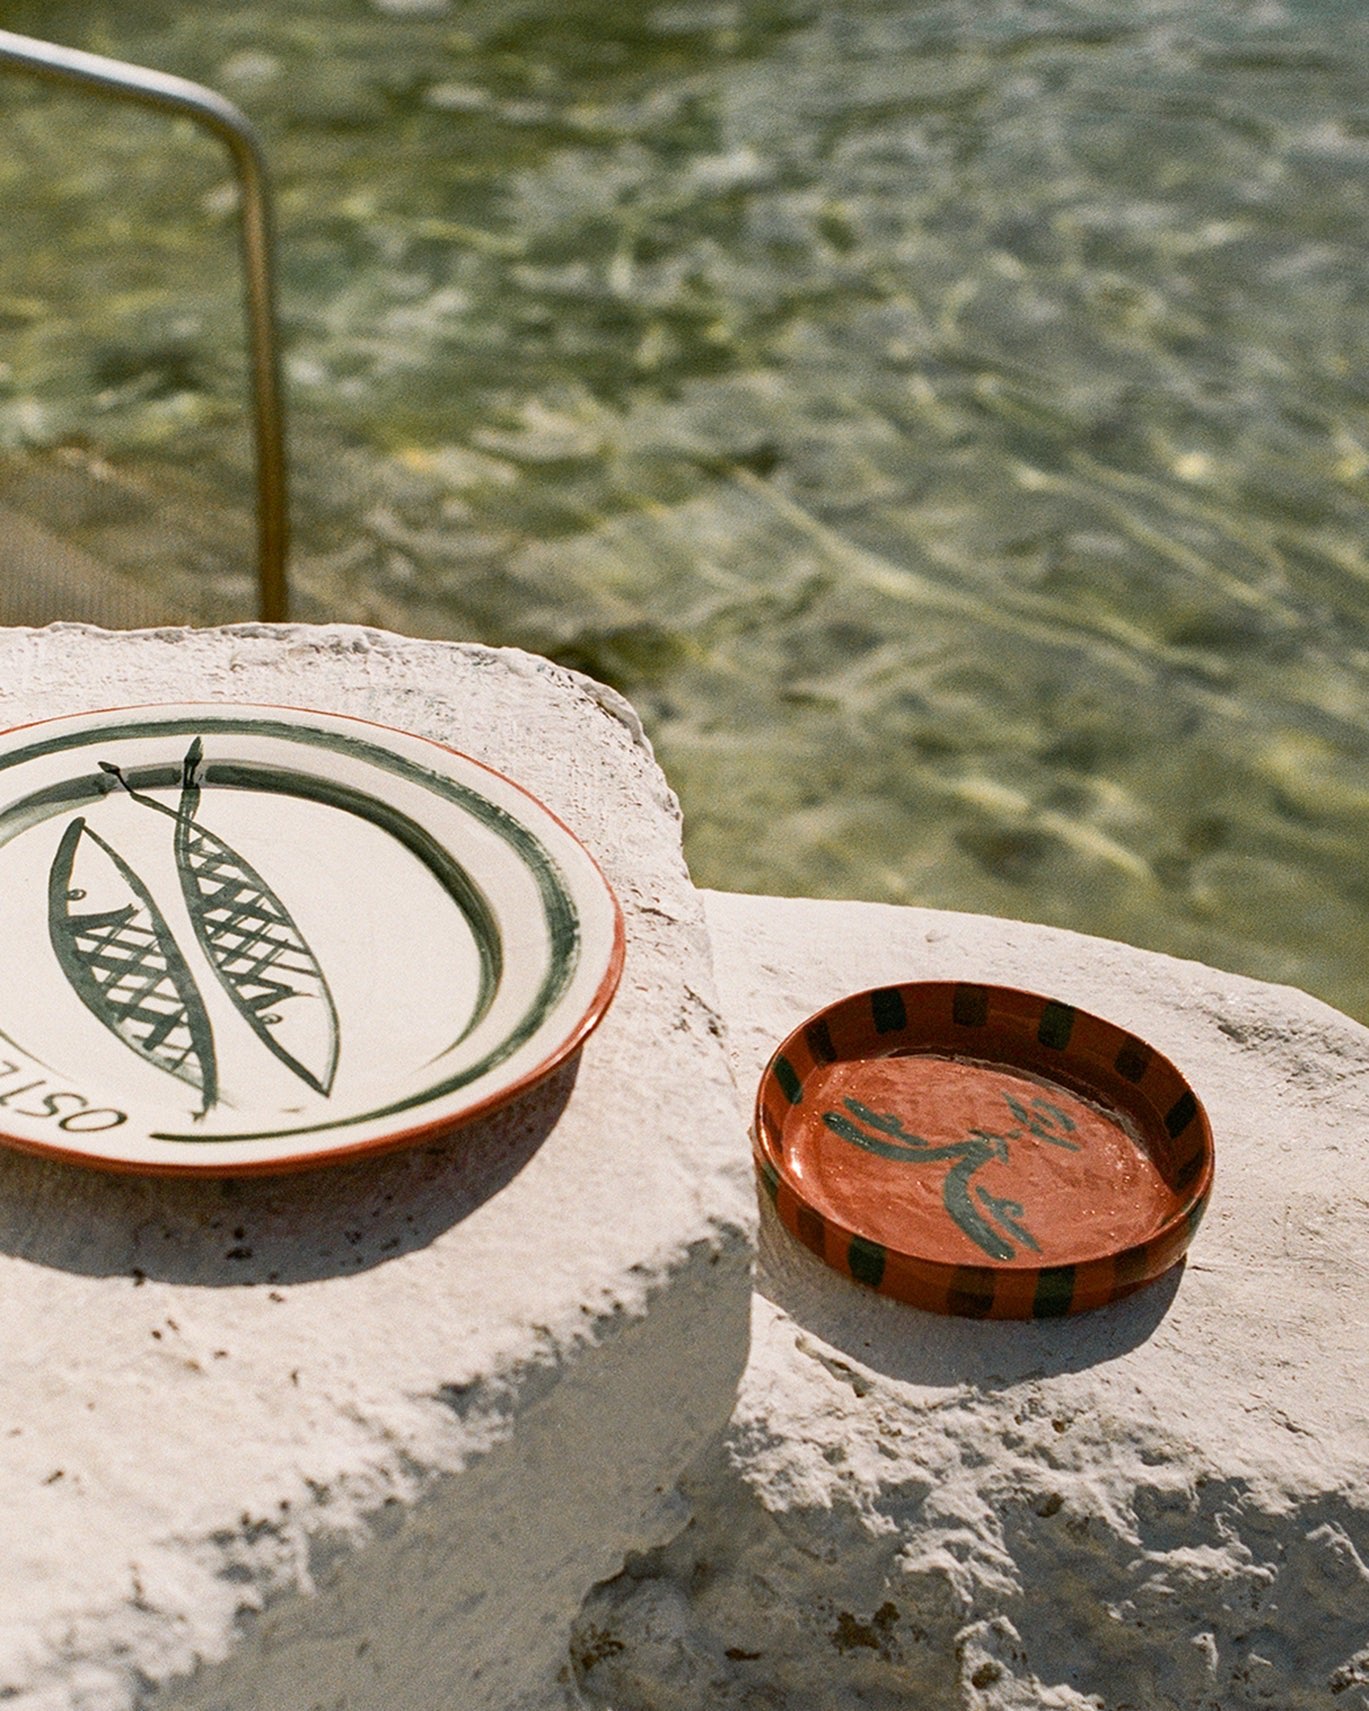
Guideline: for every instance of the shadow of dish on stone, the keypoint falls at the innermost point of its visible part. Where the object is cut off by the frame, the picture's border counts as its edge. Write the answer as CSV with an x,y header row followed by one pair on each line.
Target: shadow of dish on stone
x,y
215,1232
917,1347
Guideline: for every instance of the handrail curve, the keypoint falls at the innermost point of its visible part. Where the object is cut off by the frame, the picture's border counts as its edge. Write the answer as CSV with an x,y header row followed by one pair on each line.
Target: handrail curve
x,y
178,95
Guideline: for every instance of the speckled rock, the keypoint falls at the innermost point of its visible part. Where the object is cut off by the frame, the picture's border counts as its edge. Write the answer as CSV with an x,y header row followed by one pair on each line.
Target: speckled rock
x,y
364,1438
1161,1504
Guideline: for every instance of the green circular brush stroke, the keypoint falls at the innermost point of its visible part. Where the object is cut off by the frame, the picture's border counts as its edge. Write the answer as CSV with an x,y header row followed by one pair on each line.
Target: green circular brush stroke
x,y
563,924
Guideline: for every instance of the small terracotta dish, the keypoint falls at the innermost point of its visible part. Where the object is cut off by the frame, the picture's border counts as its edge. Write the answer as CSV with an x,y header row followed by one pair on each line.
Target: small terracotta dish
x,y
982,1151
242,939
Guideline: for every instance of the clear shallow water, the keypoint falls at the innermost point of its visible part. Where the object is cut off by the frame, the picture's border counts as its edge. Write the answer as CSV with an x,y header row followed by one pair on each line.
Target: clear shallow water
x,y
948,423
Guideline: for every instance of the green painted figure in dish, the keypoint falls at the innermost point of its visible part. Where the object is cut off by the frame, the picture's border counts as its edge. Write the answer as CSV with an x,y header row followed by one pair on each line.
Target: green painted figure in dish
x,y
994,1223
122,960
261,957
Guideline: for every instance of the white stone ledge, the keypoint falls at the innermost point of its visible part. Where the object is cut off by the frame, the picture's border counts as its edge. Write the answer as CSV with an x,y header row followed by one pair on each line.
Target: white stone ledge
x,y
1161,1504
364,1438
381,1460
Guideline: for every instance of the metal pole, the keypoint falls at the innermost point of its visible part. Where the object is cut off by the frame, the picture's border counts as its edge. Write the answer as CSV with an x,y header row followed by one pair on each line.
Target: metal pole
x,y
177,95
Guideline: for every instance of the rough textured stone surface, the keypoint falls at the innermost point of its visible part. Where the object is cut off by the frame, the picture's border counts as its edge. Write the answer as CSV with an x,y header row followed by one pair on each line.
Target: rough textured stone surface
x,y
1164,1503
363,1439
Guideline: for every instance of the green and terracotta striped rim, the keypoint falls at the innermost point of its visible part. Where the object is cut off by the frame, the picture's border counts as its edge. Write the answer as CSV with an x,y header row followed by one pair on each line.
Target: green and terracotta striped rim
x,y
846,1123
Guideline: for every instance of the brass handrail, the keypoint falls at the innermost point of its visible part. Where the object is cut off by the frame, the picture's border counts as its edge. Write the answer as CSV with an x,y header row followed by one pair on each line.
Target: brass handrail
x,y
177,95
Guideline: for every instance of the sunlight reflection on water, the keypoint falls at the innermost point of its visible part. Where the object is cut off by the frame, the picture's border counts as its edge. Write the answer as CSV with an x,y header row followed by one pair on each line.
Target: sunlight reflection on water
x,y
946,422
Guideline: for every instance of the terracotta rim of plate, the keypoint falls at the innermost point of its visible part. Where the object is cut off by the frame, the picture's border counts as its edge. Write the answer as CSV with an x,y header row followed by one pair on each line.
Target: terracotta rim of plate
x,y
1005,1033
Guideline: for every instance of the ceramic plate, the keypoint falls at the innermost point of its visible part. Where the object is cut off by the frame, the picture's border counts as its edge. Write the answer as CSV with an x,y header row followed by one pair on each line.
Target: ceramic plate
x,y
242,939
982,1151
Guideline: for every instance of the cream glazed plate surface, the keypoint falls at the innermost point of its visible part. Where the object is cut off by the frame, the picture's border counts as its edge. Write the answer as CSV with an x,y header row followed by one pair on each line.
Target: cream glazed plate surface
x,y
243,939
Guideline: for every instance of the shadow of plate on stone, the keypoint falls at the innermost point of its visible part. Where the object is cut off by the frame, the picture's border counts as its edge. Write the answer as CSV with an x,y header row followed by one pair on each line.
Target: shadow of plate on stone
x,y
913,1346
299,1228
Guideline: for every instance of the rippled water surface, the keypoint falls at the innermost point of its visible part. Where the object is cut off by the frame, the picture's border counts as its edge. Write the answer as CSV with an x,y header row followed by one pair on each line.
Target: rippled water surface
x,y
949,423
